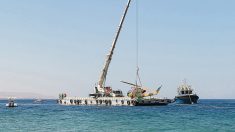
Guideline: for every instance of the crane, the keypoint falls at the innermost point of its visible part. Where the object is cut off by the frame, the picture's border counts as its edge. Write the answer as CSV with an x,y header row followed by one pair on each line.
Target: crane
x,y
100,89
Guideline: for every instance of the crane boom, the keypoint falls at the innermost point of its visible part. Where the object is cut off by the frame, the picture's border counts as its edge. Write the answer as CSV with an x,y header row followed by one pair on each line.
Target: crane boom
x,y
104,71
132,84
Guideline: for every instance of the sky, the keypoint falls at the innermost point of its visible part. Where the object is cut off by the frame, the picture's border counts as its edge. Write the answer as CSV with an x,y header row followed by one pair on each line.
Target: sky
x,y
49,47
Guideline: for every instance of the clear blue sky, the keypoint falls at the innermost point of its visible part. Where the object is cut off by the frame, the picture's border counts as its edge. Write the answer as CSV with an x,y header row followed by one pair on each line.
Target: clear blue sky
x,y
55,46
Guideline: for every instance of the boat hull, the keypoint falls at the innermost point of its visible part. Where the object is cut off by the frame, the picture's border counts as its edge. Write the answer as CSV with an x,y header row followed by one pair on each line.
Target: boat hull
x,y
152,102
187,99
11,105
112,101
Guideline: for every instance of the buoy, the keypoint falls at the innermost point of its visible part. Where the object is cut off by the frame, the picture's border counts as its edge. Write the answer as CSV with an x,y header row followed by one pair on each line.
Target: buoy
x,y
133,102
128,102
106,102
122,102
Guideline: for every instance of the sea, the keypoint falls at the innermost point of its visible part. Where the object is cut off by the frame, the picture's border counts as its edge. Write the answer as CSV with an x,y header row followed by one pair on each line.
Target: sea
x,y
209,115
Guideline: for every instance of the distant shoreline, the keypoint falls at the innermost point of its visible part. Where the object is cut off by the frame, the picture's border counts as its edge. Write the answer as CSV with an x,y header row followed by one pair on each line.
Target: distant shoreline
x,y
24,95
29,98
56,99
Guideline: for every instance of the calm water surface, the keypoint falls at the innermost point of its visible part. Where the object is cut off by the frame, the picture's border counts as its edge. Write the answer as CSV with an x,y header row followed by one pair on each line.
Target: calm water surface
x,y
207,116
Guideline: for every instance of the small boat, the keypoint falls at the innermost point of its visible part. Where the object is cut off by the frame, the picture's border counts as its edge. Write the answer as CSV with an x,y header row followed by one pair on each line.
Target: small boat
x,y
186,95
38,101
11,103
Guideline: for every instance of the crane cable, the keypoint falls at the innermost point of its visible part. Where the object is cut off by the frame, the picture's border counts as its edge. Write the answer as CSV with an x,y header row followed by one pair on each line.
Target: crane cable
x,y
137,46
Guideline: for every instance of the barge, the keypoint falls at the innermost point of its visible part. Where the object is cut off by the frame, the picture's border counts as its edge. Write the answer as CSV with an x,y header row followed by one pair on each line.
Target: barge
x,y
104,95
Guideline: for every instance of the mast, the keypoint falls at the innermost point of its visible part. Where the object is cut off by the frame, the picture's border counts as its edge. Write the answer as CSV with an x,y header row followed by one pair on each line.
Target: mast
x,y
104,71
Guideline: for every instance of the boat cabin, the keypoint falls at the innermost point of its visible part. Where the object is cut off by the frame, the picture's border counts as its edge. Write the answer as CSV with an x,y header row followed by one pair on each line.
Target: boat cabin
x,y
185,89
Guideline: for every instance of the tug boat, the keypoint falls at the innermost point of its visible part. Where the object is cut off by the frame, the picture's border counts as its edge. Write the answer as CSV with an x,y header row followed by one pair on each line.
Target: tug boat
x,y
105,95
11,103
186,95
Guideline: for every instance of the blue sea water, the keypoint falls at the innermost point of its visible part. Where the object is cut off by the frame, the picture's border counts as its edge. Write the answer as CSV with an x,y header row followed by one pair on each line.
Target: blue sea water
x,y
206,116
